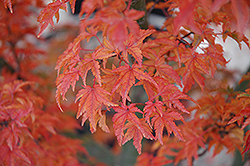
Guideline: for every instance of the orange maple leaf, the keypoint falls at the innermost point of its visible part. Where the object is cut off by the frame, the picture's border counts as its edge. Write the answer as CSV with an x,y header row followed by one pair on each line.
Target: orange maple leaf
x,y
91,100
161,119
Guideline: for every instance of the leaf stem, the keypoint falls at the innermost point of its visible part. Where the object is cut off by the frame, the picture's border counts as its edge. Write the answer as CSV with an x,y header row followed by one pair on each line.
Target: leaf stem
x,y
84,49
129,5
99,40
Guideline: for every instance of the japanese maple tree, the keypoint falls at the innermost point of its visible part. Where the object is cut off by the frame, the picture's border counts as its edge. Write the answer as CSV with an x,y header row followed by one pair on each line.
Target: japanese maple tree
x,y
188,103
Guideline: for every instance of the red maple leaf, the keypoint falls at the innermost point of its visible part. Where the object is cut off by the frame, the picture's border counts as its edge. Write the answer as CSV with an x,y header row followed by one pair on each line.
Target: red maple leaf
x,y
166,119
125,118
244,113
214,57
126,80
89,6
165,71
246,142
185,17
162,118
89,63
63,83
171,95
195,66
193,142
109,49
240,10
46,15
133,45
118,22
137,130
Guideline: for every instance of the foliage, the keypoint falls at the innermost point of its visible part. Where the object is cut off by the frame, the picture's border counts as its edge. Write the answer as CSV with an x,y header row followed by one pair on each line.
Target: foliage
x,y
169,64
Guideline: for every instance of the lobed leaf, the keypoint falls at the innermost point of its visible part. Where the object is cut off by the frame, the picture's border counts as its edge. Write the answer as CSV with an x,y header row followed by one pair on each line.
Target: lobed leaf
x,y
46,15
91,100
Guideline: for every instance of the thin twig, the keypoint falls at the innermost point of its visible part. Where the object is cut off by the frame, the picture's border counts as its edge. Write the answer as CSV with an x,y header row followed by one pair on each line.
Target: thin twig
x,y
152,8
202,153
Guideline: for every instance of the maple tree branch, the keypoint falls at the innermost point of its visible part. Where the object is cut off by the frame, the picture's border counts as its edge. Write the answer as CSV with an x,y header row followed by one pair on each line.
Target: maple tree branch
x,y
165,13
187,35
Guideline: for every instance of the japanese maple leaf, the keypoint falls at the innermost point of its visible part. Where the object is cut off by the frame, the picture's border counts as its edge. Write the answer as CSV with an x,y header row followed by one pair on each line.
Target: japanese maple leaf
x,y
11,157
171,95
70,57
152,108
125,118
193,142
46,15
11,136
165,71
109,79
109,49
240,10
170,44
89,6
123,114
120,24
133,45
214,57
244,113
63,83
185,17
89,63
137,130
126,80
91,99
195,65
166,119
